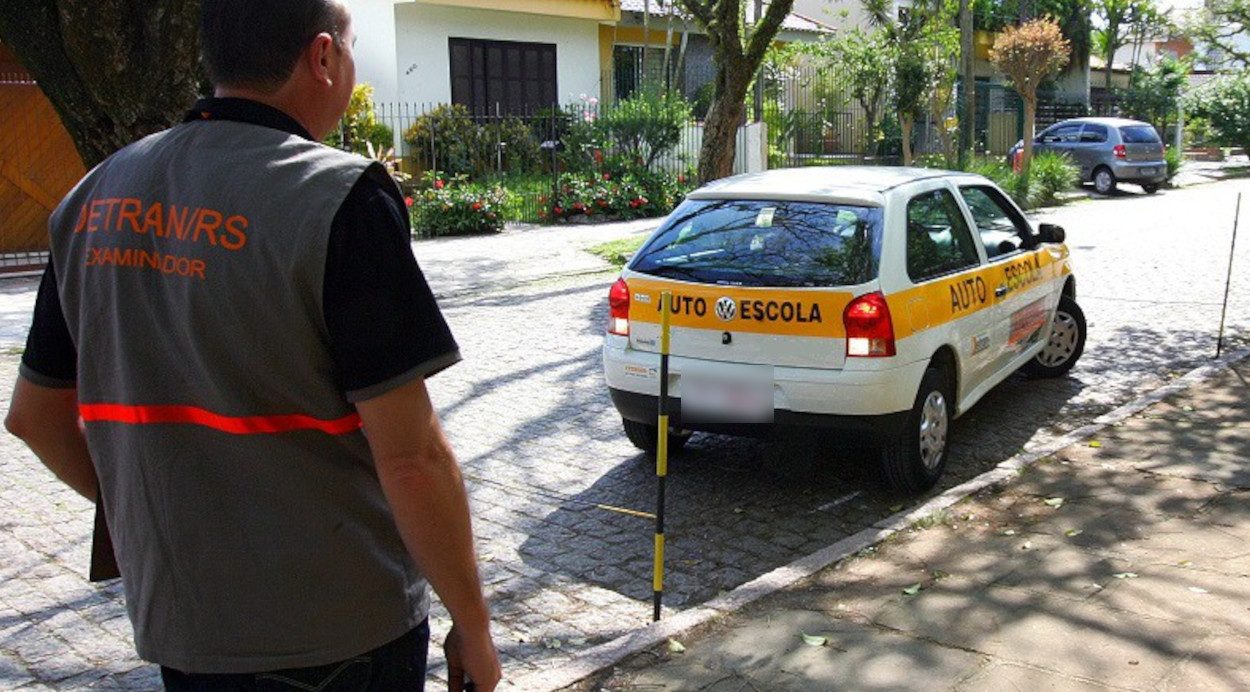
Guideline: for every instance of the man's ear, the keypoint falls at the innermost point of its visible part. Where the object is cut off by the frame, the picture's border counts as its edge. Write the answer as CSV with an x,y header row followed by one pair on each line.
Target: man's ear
x,y
318,57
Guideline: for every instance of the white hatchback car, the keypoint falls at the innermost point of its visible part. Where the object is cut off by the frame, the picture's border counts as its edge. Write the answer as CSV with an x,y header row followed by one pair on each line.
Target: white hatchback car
x,y
882,302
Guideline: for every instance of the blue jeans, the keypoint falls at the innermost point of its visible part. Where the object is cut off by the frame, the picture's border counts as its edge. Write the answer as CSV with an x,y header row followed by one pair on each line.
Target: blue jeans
x,y
395,667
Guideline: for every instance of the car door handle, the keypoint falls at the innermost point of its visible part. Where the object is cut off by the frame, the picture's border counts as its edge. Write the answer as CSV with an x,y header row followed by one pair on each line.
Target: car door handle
x,y
1000,291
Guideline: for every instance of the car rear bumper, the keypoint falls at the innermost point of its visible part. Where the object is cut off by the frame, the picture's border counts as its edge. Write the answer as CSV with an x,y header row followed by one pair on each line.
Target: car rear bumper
x,y
1140,171
644,408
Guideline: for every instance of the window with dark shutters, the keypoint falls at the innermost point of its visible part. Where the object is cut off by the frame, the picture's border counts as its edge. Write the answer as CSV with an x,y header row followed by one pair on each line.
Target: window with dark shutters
x,y
516,78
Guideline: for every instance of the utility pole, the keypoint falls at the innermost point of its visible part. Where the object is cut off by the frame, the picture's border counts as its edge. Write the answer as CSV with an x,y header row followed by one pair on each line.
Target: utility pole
x,y
968,92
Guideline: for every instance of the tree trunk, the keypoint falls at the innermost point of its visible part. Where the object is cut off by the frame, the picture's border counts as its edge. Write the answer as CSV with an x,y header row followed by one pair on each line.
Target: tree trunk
x,y
1030,112
905,121
114,70
720,132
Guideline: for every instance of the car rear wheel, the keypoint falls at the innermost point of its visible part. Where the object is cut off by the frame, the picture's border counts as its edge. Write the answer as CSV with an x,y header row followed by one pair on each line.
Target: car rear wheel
x,y
914,460
1150,188
1065,343
646,436
1104,181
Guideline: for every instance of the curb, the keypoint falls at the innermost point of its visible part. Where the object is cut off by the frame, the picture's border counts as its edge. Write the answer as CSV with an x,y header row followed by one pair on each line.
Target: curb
x,y
610,653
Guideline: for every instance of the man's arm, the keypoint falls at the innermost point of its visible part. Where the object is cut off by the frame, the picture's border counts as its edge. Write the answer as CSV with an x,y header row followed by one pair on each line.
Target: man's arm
x,y
422,483
46,419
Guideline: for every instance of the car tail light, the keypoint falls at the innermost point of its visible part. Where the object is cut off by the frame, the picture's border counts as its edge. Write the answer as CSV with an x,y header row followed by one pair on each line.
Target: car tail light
x,y
1120,151
618,308
869,329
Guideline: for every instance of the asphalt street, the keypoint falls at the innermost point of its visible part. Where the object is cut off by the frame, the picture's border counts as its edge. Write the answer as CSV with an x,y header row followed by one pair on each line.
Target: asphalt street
x,y
546,461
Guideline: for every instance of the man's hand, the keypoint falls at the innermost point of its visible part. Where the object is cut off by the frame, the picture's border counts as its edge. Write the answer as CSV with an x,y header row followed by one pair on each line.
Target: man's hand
x,y
472,660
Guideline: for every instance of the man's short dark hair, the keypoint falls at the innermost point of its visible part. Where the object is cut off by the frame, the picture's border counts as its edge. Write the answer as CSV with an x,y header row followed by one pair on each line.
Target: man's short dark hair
x,y
255,43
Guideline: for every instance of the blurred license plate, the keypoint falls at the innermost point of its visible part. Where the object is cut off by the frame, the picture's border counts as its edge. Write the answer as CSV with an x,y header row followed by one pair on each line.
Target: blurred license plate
x,y
715,399
1147,171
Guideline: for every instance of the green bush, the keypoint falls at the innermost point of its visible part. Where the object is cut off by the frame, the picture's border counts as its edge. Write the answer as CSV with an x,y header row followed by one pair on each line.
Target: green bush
x,y
448,138
1174,157
646,127
1051,173
1014,184
1224,102
360,127
442,206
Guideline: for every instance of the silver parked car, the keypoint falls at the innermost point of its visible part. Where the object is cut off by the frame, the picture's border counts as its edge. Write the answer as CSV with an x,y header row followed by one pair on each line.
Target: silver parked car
x,y
1108,151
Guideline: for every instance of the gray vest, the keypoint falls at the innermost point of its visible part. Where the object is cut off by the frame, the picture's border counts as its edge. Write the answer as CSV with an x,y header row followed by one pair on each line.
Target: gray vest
x,y
249,524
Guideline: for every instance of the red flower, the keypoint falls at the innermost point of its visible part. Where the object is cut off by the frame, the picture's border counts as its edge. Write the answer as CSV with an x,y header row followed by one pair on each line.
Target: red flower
x,y
598,156
559,210
681,178
408,201
477,206
603,203
578,205
606,176
438,184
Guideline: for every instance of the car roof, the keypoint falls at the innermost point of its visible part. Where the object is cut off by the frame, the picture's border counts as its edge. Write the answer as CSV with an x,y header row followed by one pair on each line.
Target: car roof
x,y
1112,122
853,184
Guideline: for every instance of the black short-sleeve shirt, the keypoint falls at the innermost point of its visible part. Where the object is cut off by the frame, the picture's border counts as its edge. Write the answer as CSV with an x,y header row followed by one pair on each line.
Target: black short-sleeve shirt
x,y
384,323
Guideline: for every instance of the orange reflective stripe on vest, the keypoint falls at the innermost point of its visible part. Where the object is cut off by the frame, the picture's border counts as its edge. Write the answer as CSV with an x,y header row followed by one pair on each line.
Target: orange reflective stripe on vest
x,y
238,425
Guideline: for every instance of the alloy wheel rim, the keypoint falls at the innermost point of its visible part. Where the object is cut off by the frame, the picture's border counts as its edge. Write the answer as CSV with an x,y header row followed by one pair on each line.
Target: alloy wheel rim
x,y
1062,343
933,424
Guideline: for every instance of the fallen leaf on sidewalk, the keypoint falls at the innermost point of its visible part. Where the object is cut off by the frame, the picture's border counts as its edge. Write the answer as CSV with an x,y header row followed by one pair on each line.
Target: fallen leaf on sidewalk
x,y
1055,502
814,639
1073,532
1125,575
675,647
1196,589
912,590
1009,532
1185,563
1095,443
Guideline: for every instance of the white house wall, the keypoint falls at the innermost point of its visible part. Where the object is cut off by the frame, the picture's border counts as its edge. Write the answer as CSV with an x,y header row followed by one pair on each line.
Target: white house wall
x,y
423,57
374,24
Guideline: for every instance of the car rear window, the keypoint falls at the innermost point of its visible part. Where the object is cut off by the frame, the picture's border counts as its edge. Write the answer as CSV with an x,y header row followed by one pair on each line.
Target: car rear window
x,y
1139,134
765,243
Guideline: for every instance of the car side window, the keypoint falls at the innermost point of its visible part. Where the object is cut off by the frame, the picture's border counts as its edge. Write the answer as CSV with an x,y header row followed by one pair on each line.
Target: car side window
x,y
1001,228
938,239
1094,134
1061,134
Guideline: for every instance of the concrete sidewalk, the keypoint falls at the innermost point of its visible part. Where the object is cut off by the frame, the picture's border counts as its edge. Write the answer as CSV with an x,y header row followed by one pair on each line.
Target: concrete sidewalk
x,y
1121,561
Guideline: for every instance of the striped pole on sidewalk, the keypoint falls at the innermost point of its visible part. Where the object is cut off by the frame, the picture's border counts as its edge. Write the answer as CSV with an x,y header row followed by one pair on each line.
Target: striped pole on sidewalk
x,y
661,454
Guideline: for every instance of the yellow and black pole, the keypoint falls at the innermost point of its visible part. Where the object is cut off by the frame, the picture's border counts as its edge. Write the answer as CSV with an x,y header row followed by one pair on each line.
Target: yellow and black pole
x,y
661,453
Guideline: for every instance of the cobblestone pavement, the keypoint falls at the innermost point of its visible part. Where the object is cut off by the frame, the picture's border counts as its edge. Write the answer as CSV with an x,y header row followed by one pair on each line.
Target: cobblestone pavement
x,y
543,453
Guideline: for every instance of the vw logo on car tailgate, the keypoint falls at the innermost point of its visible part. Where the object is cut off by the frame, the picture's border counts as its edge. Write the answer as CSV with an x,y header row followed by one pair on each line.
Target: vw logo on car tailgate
x,y
726,309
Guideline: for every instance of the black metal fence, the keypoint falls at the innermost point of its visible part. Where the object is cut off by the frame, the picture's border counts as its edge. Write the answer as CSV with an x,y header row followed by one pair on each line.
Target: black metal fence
x,y
812,118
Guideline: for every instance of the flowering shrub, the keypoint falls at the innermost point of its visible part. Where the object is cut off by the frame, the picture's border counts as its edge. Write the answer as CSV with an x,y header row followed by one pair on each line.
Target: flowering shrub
x,y
635,194
444,205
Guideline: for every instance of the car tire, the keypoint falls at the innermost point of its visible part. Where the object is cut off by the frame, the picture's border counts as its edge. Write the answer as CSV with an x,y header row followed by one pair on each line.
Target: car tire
x,y
1064,344
1150,188
1104,181
646,436
914,459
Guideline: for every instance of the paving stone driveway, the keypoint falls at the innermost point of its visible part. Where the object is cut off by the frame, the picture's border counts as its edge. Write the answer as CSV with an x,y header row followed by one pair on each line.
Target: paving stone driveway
x,y
542,451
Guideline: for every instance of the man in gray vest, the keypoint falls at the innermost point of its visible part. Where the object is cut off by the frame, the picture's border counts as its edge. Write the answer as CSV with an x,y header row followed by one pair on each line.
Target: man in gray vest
x,y
234,313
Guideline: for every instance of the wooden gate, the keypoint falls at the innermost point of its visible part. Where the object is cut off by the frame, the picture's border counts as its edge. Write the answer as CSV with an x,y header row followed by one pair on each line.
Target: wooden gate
x,y
38,164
